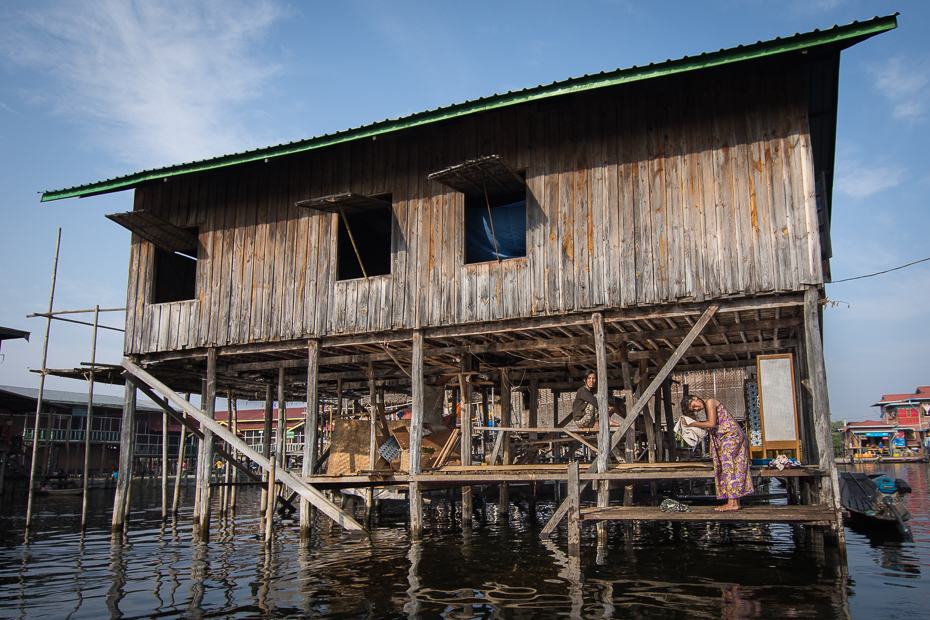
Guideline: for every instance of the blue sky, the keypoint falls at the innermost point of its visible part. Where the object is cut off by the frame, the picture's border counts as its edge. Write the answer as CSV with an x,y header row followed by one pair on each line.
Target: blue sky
x,y
92,90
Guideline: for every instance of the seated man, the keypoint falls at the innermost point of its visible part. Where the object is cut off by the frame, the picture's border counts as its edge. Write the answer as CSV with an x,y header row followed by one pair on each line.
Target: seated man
x,y
584,408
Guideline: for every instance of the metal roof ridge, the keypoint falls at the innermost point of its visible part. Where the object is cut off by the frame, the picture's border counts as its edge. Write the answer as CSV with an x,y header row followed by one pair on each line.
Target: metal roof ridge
x,y
778,45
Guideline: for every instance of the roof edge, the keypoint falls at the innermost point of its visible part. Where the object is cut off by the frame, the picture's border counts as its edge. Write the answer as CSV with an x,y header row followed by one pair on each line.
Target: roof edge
x,y
847,35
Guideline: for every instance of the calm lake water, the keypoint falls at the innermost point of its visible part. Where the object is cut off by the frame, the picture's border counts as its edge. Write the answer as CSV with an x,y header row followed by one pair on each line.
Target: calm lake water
x,y
493,570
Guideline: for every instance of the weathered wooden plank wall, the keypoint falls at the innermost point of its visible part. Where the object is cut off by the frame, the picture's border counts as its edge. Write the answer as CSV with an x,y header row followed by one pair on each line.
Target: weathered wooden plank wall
x,y
698,186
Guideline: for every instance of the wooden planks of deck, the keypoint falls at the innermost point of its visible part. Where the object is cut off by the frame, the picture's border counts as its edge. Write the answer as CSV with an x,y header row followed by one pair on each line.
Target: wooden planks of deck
x,y
808,515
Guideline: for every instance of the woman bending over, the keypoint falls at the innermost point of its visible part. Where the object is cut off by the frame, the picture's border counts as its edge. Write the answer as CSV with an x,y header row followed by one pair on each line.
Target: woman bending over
x,y
727,446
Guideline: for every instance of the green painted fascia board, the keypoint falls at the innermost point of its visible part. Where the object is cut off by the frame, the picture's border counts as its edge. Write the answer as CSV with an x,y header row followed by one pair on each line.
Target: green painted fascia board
x,y
845,36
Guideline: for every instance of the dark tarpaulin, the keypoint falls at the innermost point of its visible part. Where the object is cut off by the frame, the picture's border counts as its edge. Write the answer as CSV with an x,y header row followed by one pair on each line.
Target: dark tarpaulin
x,y
509,230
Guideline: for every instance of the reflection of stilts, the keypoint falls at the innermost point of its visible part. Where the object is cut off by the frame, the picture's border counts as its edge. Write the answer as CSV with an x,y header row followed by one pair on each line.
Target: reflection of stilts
x,y
412,606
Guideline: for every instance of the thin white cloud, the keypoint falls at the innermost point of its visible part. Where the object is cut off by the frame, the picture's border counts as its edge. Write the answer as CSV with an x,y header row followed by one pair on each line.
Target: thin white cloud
x,y
905,82
859,180
152,83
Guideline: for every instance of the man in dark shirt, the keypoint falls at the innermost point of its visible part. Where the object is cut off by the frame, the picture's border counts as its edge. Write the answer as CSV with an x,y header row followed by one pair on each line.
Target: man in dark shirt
x,y
584,408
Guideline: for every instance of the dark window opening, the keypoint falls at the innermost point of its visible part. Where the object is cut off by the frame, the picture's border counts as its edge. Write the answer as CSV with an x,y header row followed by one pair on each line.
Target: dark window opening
x,y
495,232
175,274
370,230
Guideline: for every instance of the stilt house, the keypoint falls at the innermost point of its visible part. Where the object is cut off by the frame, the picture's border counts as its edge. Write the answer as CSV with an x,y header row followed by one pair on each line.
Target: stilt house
x,y
641,221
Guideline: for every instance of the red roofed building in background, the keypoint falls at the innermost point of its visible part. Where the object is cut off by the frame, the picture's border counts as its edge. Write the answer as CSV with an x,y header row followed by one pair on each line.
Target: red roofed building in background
x,y
901,434
912,410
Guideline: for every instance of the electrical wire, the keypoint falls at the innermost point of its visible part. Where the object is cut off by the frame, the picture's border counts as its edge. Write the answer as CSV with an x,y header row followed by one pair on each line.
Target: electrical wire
x,y
881,272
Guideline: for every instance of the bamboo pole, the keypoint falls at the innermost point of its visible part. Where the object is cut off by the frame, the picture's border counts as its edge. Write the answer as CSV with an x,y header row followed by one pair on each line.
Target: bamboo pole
x,y
90,419
35,438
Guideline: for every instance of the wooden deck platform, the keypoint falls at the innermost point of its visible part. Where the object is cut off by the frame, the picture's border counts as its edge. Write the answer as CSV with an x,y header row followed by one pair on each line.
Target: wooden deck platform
x,y
806,515
456,475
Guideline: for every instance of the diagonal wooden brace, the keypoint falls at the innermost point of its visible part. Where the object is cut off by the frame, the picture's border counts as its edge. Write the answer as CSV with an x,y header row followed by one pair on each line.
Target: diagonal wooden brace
x,y
631,415
303,489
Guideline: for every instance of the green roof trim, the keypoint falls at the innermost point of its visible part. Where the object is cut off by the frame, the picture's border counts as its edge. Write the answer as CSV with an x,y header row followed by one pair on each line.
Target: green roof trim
x,y
843,36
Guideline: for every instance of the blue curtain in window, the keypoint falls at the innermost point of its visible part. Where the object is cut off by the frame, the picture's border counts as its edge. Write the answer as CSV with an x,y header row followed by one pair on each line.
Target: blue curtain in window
x,y
509,229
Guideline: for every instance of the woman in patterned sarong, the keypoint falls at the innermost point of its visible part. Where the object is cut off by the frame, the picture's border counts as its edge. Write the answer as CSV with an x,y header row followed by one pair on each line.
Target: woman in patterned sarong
x,y
728,448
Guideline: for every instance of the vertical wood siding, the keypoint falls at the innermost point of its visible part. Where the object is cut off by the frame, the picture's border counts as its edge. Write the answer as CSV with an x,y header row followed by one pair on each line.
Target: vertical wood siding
x,y
695,187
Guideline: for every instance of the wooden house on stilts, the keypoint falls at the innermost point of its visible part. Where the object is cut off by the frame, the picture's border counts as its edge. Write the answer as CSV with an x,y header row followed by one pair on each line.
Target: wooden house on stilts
x,y
641,222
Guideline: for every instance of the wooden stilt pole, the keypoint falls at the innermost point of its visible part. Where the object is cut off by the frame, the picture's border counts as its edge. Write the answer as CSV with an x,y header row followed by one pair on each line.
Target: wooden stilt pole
x,y
35,435
272,500
465,438
89,420
813,348
485,419
628,439
182,449
311,424
603,434
266,442
234,412
124,475
574,509
280,451
198,466
416,434
164,466
372,440
503,502
224,496
209,410
671,446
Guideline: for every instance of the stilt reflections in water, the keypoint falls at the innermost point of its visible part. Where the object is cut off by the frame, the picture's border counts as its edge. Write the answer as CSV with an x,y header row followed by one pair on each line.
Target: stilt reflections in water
x,y
499,567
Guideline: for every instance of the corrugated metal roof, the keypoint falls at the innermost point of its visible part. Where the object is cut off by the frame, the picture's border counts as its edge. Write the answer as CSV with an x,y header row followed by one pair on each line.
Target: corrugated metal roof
x,y
841,36
59,397
922,393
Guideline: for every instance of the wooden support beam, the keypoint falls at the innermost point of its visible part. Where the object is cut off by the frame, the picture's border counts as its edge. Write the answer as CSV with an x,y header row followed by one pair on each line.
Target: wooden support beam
x,y
315,497
526,344
495,327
